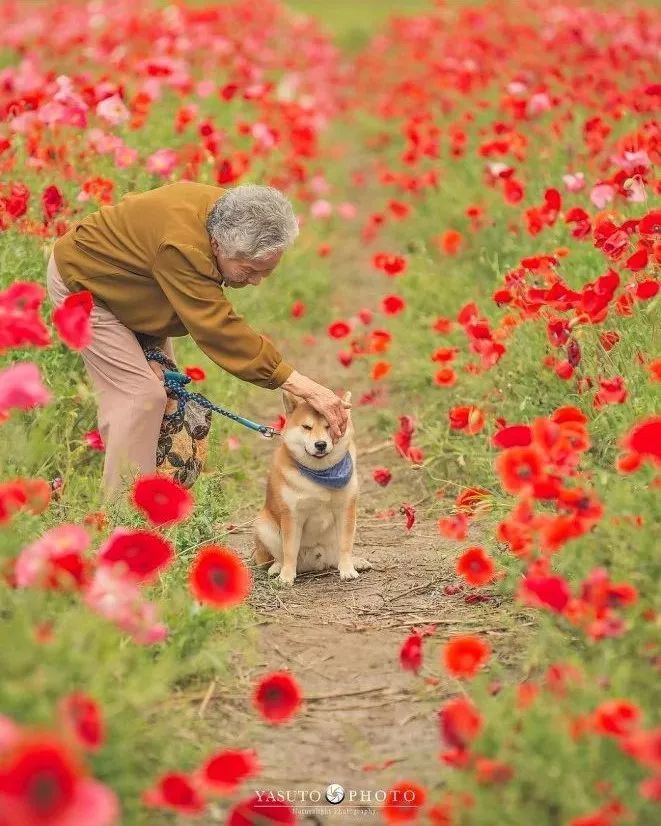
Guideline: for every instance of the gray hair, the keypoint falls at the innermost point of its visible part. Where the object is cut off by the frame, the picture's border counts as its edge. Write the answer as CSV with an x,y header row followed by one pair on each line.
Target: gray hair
x,y
252,222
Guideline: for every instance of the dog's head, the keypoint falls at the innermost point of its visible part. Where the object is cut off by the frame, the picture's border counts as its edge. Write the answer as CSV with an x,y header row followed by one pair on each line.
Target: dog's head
x,y
307,434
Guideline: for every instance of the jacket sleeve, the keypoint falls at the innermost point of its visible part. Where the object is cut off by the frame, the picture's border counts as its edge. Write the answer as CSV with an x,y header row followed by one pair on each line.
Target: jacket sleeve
x,y
199,301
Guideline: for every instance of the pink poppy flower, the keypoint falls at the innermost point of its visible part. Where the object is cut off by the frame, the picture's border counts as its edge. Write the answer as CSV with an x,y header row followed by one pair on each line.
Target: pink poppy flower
x,y
112,110
21,387
574,182
162,162
601,195
120,601
39,562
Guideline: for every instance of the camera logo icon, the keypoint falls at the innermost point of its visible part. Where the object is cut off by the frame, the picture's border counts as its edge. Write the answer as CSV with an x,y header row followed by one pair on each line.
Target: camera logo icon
x,y
335,793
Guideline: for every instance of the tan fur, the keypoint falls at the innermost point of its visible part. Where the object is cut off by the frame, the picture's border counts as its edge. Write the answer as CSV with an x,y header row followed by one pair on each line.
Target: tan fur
x,y
304,526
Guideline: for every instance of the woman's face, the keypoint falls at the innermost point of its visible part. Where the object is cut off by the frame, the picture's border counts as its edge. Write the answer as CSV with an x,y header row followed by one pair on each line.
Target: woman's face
x,y
241,272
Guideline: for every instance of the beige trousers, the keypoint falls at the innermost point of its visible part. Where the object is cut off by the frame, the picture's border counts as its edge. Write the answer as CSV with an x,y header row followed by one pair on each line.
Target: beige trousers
x,y
130,398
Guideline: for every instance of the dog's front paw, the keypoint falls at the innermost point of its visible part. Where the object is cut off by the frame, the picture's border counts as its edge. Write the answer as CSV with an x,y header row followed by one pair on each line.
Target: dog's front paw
x,y
287,577
361,564
274,570
348,572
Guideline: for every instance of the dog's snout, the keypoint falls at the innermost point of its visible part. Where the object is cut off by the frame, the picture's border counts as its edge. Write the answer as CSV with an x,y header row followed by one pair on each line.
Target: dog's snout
x,y
320,445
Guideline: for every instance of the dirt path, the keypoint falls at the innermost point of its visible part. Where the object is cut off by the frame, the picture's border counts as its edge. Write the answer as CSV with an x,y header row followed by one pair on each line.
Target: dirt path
x,y
366,722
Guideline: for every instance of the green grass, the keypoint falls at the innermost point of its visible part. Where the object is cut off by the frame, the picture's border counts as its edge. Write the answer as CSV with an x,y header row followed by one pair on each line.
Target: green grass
x,y
353,23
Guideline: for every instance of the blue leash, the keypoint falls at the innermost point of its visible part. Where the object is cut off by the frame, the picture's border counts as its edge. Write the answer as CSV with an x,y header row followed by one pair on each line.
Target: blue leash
x,y
175,382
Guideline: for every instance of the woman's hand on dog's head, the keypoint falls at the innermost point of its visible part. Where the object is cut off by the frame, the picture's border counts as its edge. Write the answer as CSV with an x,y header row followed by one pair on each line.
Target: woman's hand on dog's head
x,y
324,401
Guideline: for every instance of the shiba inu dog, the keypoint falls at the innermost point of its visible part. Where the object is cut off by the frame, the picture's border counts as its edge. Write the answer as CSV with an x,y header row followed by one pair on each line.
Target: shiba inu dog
x,y
309,520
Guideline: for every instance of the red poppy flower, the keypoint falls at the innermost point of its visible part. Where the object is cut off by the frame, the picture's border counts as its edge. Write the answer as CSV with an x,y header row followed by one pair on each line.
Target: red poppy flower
x,y
628,462
645,438
650,789
463,656
564,370
410,654
195,373
612,391
297,309
445,377
453,527
608,339
459,722
382,476
390,264
637,261
219,578
645,747
398,209
224,771
449,241
339,329
520,468
467,418
379,341
392,304
38,778
568,414
654,369
175,791
404,802
72,319
492,771
263,810
545,591
94,440
515,435
162,500
82,717
647,289
442,325
12,498
42,782
277,697
616,718
444,354
650,224
143,554
380,370
404,436
51,202
468,314
476,567
409,513
470,498
38,493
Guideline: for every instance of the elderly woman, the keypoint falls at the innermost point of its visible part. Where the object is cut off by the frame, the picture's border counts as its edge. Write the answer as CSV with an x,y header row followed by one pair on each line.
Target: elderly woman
x,y
156,264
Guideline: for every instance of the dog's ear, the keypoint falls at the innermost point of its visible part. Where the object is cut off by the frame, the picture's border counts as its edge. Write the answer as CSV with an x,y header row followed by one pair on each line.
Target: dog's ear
x,y
289,402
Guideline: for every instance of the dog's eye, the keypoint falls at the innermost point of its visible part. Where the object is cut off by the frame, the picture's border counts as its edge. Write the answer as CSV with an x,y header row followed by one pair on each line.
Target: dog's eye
x,y
307,427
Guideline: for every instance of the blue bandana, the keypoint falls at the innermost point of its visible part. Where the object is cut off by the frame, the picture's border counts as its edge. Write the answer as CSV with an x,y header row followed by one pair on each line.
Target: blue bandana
x,y
336,476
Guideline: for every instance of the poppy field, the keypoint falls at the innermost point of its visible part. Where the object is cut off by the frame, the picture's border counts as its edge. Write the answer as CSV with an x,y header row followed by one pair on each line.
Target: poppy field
x,y
478,193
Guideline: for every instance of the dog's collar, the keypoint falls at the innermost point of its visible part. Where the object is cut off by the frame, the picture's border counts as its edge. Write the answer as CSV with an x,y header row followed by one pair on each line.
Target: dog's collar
x,y
336,476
